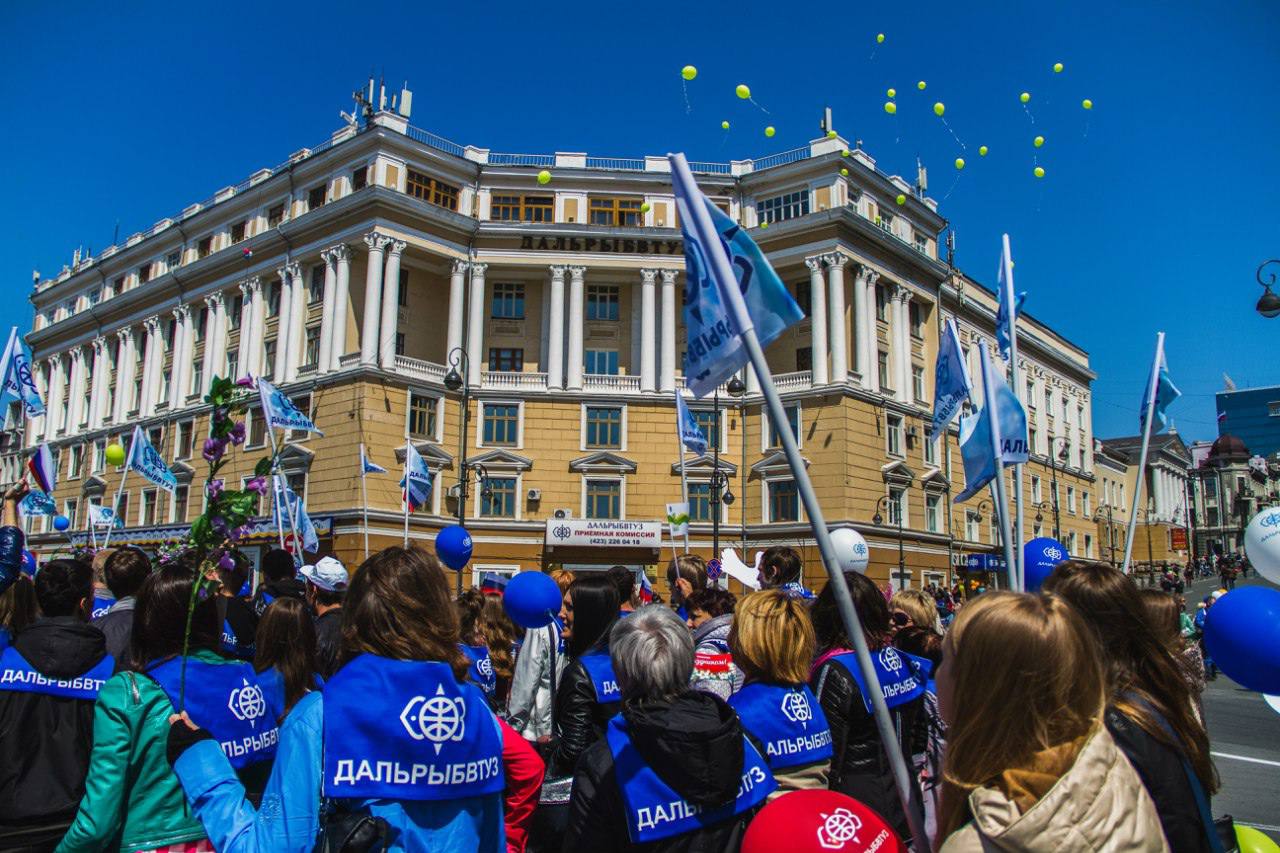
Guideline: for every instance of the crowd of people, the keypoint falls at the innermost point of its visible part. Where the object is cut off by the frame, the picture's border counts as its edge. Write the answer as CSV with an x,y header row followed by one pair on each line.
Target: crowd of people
x,y
373,709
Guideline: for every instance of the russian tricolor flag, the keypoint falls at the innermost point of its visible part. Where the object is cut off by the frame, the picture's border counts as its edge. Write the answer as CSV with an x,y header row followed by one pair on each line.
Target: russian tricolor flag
x,y
42,469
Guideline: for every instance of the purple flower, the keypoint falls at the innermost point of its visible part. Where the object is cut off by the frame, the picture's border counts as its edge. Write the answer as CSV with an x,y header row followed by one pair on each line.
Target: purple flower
x,y
219,525
226,562
246,381
257,484
213,449
214,488
237,433
239,533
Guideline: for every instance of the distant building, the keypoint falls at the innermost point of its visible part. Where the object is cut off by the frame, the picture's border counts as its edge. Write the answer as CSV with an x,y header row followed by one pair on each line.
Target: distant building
x,y
1229,486
1161,534
1253,416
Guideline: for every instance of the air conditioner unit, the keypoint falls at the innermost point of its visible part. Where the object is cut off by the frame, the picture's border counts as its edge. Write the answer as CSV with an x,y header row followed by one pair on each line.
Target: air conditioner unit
x,y
562,513
913,434
455,490
535,494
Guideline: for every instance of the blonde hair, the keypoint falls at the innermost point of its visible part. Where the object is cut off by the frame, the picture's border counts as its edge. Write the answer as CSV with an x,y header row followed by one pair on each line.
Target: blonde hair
x,y
1025,674
919,605
562,577
99,563
772,638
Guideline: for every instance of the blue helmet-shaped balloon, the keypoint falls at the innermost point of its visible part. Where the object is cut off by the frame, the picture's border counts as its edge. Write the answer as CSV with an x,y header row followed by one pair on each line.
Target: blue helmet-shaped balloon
x,y
453,546
532,599
1040,556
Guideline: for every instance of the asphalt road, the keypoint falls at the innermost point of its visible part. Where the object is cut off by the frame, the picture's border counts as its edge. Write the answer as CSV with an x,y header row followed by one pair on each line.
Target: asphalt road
x,y
1244,737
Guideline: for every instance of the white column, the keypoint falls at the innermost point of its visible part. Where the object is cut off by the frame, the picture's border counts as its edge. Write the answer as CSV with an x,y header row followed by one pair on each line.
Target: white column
x,y
297,320
219,342
555,330
818,320
208,364
377,244
861,352
753,382
391,305
183,356
838,341
902,343
574,382
75,412
326,312
99,387
280,370
648,344
57,391
667,380
476,361
868,347
149,368
126,355
457,306
341,304
248,335
258,326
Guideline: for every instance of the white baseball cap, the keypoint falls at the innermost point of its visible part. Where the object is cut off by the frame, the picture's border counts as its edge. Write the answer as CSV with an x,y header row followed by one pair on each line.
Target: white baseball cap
x,y
327,574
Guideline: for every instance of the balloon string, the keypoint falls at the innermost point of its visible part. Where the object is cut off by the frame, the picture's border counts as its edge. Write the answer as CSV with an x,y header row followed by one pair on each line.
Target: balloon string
x,y
953,133
1028,112
762,109
1086,130
688,108
953,186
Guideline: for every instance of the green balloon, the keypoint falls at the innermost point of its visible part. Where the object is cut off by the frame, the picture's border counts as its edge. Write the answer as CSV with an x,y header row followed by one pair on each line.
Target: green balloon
x,y
1057,68
115,454
890,107
1038,141
688,72
1024,97
901,199
879,38
743,91
939,108
1087,104
920,85
959,162
982,151
724,125
769,131
844,173
1039,171
544,177
892,93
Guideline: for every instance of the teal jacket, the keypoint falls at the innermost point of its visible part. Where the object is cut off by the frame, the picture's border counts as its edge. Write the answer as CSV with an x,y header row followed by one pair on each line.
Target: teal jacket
x,y
132,799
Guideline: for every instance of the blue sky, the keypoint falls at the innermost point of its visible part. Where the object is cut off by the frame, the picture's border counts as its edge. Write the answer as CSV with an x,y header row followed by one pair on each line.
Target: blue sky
x,y
1156,208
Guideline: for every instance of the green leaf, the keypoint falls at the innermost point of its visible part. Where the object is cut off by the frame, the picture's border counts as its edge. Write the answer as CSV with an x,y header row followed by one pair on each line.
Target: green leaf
x,y
263,468
201,531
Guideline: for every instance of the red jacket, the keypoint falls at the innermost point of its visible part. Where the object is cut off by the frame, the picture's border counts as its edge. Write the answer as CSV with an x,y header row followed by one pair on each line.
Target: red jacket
x,y
524,770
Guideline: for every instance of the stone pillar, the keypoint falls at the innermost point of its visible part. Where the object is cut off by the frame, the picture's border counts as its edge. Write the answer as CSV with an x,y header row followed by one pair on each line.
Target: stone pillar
x,y
902,344
864,321
648,344
149,369
576,298
818,320
280,370
126,355
183,357
325,361
219,342
99,380
75,411
244,357
476,361
838,341
753,385
208,364
259,326
341,303
377,244
667,380
297,320
555,330
391,305
457,307
57,392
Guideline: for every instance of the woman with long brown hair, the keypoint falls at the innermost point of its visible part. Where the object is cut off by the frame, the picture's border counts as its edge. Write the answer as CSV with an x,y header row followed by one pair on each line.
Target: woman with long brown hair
x,y
285,655
1150,710
500,637
1164,613
1029,763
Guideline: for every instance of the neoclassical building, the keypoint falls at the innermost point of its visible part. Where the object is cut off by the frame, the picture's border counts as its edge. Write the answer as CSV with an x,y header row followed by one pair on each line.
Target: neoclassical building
x,y
358,273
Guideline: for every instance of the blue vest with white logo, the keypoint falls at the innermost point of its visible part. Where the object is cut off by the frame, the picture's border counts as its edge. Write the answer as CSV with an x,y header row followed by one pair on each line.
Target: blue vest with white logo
x,y
600,668
19,676
226,699
231,643
101,604
271,680
787,720
408,730
655,811
481,672
901,676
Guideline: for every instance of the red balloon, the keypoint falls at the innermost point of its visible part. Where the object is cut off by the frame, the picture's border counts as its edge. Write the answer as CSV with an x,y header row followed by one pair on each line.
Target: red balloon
x,y
818,821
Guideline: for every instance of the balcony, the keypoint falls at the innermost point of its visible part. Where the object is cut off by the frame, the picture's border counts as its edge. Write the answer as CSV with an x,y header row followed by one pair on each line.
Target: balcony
x,y
607,383
502,380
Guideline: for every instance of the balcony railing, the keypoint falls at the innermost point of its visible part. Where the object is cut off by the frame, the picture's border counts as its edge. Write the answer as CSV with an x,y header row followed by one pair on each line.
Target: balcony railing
x,y
512,381
417,368
607,382
798,380
496,159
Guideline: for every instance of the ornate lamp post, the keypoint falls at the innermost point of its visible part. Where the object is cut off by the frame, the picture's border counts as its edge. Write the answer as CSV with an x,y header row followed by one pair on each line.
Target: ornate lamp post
x,y
901,575
454,381
720,492
1269,303
1061,456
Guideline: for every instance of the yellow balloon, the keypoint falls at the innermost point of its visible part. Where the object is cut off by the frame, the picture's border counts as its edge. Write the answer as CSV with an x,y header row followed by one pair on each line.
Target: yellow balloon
x,y
724,125
844,173
769,131
901,199
892,93
920,85
764,224
644,208
939,108
1024,97
544,177
879,38
115,454
844,153
1057,68
1087,104
688,72
743,91
890,107
1251,840
831,134
959,162
1038,141
982,151
1039,171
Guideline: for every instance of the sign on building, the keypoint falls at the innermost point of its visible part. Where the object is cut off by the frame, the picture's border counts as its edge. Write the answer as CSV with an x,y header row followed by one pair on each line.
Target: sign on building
x,y
601,533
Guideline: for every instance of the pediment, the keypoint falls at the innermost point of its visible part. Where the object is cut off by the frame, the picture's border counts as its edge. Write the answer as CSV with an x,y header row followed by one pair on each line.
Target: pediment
x,y
603,462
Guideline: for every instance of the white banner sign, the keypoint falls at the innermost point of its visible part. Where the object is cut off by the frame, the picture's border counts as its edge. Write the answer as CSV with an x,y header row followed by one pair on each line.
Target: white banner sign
x,y
600,533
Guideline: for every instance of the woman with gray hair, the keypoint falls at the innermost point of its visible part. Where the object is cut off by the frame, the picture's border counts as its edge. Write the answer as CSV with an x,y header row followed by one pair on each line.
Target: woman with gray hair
x,y
675,770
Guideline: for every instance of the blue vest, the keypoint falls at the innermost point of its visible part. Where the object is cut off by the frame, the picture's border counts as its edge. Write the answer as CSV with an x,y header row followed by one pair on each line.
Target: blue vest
x,y
408,730
101,604
788,720
655,811
481,672
232,645
901,676
600,668
271,680
18,676
226,699
796,590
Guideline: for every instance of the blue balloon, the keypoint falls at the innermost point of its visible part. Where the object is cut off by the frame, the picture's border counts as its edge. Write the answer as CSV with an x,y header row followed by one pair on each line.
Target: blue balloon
x,y
1242,635
453,546
29,563
532,599
61,523
1040,556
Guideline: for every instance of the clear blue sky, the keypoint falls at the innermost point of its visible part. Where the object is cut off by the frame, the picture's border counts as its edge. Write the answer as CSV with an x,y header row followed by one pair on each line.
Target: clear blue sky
x,y
1156,219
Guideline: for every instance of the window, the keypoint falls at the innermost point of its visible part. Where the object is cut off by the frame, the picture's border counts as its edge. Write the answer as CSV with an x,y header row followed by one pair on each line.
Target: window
x,y
604,499
237,232
1036,491
706,421
602,302
804,359
99,456
122,508
508,301
315,196
616,212
269,358
170,332
793,420
1084,503
360,178
603,362
297,483
312,356
804,296
197,379
933,513
893,434
882,303
171,262
402,292
273,299
165,382
315,285
699,501
931,451
257,428
604,426
1088,545
303,402
74,461
917,383
885,221
994,531
971,522
529,208
897,506
178,504
275,216
1071,499
915,318
432,191
117,287
204,247
1032,443
506,359
237,308
71,509
921,242
147,510
233,364
501,424
498,497
785,206
400,339
784,501
182,439
422,415
882,369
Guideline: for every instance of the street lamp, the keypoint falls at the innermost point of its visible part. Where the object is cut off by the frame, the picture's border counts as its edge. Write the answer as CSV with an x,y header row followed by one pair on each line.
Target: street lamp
x,y
1061,456
1269,303
878,519
455,380
720,480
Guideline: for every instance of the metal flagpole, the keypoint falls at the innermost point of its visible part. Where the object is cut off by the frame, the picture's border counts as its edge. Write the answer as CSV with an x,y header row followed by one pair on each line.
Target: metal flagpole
x,y
1021,570
405,493
1152,384
993,420
124,477
684,481
275,486
364,499
700,221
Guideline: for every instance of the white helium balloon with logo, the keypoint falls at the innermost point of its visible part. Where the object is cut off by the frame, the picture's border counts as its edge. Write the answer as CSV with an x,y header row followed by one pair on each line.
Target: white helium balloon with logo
x,y
1262,543
851,550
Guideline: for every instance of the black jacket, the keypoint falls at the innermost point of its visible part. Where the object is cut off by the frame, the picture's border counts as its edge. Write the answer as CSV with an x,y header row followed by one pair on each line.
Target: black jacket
x,y
11,541
271,590
859,764
328,642
579,719
1164,776
239,627
117,627
695,745
45,740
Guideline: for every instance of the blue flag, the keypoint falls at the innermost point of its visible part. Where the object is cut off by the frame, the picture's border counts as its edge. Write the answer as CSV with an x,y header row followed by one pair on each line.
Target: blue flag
x,y
301,523
16,379
714,349
280,411
368,466
1166,393
976,446
691,435
104,516
148,462
951,385
417,479
1006,317
38,503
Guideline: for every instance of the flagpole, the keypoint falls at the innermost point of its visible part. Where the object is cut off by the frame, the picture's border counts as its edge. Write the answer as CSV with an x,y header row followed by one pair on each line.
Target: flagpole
x,y
1149,415
700,222
1002,504
275,483
1018,572
684,481
364,500
124,478
405,492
